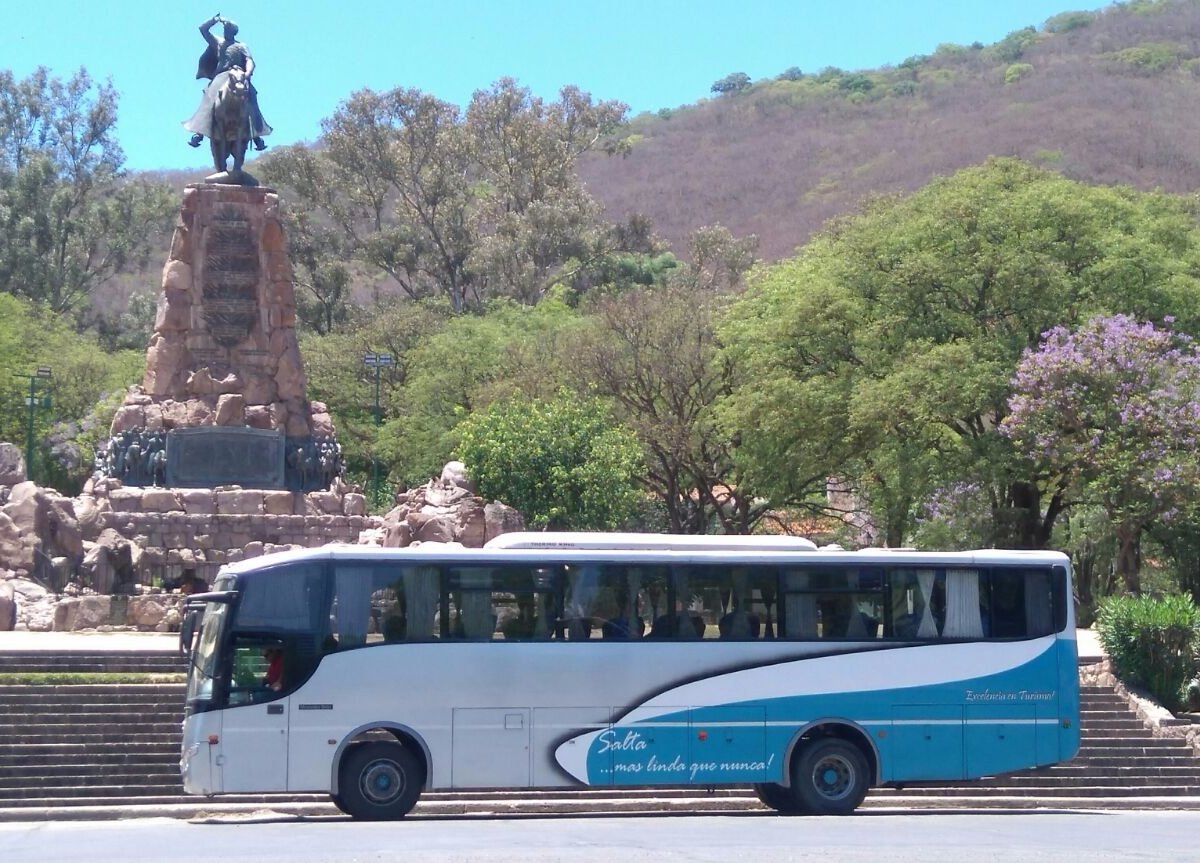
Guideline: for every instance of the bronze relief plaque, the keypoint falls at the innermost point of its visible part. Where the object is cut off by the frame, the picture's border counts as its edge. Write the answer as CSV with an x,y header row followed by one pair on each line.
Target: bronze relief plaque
x,y
230,278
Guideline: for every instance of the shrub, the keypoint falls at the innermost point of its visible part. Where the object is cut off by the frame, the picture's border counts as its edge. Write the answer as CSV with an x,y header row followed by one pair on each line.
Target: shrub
x,y
1065,22
734,82
1150,57
1152,642
1016,72
1013,46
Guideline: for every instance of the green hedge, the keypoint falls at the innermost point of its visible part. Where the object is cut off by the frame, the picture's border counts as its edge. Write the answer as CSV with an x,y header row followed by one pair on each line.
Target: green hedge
x,y
1152,642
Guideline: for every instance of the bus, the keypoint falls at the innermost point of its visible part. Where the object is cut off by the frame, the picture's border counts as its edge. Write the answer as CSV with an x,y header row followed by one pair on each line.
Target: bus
x,y
544,661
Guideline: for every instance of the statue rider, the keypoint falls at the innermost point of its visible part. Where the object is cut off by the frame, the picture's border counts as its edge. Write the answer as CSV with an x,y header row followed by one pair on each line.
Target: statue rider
x,y
223,53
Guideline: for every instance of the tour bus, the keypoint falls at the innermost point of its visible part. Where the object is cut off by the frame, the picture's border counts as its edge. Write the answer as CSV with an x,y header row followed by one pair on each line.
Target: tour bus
x,y
602,660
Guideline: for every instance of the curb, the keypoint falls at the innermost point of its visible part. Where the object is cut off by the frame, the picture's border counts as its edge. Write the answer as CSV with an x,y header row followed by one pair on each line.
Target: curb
x,y
205,812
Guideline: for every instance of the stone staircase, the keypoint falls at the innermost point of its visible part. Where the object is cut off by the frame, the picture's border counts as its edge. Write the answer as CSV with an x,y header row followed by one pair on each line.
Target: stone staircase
x,y
117,745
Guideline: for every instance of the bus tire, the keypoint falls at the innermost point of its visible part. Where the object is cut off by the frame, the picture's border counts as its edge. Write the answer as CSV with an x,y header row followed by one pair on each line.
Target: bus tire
x,y
829,777
778,797
379,781
339,803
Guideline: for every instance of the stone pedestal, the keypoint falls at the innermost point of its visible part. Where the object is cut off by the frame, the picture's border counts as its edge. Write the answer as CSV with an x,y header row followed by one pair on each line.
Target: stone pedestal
x,y
224,352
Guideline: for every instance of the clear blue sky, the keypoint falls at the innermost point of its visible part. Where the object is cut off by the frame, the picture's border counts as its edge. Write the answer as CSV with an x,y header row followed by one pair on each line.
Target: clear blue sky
x,y
312,54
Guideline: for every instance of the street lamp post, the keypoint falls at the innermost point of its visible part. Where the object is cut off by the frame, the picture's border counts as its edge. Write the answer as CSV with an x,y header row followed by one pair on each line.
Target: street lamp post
x,y
377,362
42,374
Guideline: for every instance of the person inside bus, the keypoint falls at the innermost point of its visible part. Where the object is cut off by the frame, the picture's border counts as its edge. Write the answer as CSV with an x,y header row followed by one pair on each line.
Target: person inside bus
x,y
619,627
395,628
525,623
739,625
273,679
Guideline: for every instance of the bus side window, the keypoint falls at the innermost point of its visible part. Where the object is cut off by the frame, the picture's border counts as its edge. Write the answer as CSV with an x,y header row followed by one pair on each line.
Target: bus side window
x,y
917,607
1019,603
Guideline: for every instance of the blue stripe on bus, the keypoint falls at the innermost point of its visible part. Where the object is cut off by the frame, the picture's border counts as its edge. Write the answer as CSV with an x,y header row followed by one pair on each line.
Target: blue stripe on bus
x,y
966,728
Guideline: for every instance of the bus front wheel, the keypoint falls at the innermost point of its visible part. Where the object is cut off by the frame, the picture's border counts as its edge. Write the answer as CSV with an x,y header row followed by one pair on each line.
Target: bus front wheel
x,y
830,777
379,781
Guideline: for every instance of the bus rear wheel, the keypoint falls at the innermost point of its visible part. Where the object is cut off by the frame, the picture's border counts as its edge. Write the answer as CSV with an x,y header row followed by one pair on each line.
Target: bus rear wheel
x,y
379,781
830,777
778,797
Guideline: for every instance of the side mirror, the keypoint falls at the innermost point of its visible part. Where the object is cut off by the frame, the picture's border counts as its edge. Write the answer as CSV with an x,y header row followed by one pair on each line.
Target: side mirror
x,y
188,630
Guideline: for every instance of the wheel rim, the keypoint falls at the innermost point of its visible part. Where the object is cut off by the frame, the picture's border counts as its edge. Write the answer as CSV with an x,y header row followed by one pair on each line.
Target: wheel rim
x,y
833,777
381,781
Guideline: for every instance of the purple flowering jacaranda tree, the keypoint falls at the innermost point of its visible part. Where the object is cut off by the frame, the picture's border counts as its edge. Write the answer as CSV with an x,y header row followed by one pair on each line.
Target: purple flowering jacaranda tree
x,y
1116,406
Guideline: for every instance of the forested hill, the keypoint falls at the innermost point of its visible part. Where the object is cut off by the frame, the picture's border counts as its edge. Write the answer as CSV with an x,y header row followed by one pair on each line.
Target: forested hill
x,y
1107,98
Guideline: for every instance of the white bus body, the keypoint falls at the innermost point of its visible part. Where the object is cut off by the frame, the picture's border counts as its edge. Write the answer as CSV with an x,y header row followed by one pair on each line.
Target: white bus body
x,y
549,660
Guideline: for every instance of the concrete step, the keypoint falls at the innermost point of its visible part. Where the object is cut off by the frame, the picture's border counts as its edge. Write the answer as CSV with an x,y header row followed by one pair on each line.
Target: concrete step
x,y
89,792
1101,735
1107,780
1129,723
139,719
1146,745
85,663
1081,791
151,725
95,739
1105,762
22,766
151,693
85,779
82,751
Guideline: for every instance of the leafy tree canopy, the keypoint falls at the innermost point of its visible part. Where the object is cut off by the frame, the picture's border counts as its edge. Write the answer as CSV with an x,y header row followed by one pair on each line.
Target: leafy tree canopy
x,y
82,375
1115,406
561,462
473,361
466,205
69,221
884,351
735,82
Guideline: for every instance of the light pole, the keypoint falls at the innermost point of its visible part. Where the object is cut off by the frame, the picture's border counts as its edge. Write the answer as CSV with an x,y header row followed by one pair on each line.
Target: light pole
x,y
377,362
43,373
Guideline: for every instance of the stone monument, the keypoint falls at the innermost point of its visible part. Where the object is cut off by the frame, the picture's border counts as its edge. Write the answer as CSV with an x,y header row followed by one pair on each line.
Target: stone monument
x,y
223,400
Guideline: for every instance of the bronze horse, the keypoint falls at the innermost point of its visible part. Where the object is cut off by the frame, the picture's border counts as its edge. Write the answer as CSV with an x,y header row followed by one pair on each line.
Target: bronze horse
x,y
230,122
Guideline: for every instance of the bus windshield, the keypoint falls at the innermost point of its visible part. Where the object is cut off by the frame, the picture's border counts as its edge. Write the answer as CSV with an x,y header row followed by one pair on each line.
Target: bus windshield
x,y
203,667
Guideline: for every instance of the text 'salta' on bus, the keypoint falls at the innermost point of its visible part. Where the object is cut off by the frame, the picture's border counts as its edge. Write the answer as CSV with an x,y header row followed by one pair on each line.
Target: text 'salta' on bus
x,y
560,660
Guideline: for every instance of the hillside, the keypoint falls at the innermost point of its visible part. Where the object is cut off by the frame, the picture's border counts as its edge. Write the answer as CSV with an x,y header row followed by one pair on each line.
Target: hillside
x,y
1110,98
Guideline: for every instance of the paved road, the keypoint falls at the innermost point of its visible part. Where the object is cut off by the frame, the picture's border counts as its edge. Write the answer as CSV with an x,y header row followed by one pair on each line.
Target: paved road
x,y
894,837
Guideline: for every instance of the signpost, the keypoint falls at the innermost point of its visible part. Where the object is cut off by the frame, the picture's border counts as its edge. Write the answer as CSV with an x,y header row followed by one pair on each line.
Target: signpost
x,y
42,375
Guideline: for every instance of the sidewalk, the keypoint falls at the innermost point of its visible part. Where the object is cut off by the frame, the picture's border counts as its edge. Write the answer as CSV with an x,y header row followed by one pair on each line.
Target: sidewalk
x,y
72,642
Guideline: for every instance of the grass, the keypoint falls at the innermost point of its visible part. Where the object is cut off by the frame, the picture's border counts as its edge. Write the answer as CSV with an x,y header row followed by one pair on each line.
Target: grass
x,y
85,678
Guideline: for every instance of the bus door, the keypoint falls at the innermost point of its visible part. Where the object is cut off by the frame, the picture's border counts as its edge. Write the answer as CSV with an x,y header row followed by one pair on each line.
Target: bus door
x,y
254,747
490,747
254,729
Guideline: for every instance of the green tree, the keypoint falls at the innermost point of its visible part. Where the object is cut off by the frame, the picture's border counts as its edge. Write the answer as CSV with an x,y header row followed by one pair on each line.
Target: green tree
x,y
884,352
69,219
561,462
475,360
654,352
338,377
83,375
735,82
467,206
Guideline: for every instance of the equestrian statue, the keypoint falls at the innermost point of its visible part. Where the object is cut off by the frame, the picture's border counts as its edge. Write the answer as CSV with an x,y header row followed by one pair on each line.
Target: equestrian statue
x,y
228,115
